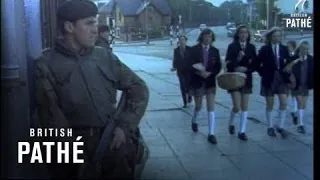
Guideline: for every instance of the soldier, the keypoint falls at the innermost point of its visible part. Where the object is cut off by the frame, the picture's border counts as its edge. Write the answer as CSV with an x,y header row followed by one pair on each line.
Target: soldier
x,y
74,81
103,38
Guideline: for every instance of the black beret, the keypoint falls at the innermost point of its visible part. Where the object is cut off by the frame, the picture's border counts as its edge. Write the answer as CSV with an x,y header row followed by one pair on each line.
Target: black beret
x,y
74,10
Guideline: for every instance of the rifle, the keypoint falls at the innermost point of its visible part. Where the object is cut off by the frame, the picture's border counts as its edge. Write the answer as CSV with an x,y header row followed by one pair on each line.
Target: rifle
x,y
92,168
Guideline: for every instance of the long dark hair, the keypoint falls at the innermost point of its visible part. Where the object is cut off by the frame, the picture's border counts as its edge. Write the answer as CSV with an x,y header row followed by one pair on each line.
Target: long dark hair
x,y
206,32
236,35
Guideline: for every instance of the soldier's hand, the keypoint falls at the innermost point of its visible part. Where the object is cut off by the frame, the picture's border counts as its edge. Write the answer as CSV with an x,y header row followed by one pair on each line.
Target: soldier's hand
x,y
118,139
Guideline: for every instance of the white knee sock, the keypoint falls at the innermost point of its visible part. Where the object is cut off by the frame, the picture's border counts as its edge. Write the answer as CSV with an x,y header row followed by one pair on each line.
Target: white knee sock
x,y
243,121
300,116
195,116
269,118
294,105
232,118
282,118
211,122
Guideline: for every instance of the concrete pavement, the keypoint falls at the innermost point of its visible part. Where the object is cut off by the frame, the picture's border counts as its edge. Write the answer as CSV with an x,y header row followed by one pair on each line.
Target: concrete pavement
x,y
177,153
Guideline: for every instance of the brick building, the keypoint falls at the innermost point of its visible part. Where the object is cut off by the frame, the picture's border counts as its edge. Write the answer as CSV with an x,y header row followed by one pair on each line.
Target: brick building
x,y
130,18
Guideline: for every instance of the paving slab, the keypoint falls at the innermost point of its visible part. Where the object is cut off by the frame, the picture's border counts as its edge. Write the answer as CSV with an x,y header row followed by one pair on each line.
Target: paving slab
x,y
164,169
265,167
296,159
236,147
283,145
225,174
203,162
160,151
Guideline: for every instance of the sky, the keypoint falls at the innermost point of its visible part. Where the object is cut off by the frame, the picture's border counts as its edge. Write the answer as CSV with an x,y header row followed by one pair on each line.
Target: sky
x,y
214,2
219,2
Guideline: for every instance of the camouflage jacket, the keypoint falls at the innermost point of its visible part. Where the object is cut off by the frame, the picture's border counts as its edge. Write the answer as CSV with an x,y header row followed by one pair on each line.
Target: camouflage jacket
x,y
75,89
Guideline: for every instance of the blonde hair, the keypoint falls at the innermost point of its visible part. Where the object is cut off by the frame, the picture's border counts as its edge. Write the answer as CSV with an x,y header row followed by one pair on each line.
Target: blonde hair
x,y
302,42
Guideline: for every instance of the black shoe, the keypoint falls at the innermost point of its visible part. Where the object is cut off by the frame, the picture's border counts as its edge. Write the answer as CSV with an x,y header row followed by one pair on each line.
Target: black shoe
x,y
301,130
271,132
294,118
282,132
212,139
184,106
194,127
231,129
242,136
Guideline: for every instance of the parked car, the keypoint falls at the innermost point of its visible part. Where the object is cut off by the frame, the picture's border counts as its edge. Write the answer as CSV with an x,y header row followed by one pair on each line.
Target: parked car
x,y
231,31
259,35
202,27
230,25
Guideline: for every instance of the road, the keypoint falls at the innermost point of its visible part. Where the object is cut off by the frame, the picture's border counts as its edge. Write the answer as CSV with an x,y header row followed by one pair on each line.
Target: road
x,y
162,48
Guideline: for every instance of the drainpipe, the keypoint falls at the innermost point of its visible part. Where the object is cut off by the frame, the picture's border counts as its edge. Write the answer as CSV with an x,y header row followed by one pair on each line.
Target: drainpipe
x,y
19,46
13,84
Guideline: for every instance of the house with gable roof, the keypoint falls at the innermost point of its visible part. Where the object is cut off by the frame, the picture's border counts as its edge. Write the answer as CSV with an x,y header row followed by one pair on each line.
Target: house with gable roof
x,y
130,17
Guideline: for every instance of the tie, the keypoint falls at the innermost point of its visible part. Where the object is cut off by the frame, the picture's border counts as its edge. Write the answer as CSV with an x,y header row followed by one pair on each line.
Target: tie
x,y
205,56
182,51
242,46
276,56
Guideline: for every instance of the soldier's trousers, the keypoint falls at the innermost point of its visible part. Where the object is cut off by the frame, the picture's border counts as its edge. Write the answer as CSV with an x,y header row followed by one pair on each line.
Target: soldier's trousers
x,y
117,164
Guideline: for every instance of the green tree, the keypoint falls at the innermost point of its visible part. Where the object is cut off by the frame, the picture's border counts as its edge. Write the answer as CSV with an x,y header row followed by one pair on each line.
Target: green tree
x,y
262,8
197,12
236,11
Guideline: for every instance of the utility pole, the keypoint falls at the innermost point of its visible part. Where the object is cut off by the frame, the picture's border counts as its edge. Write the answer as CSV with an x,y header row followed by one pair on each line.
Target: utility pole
x,y
268,13
147,21
190,10
250,14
